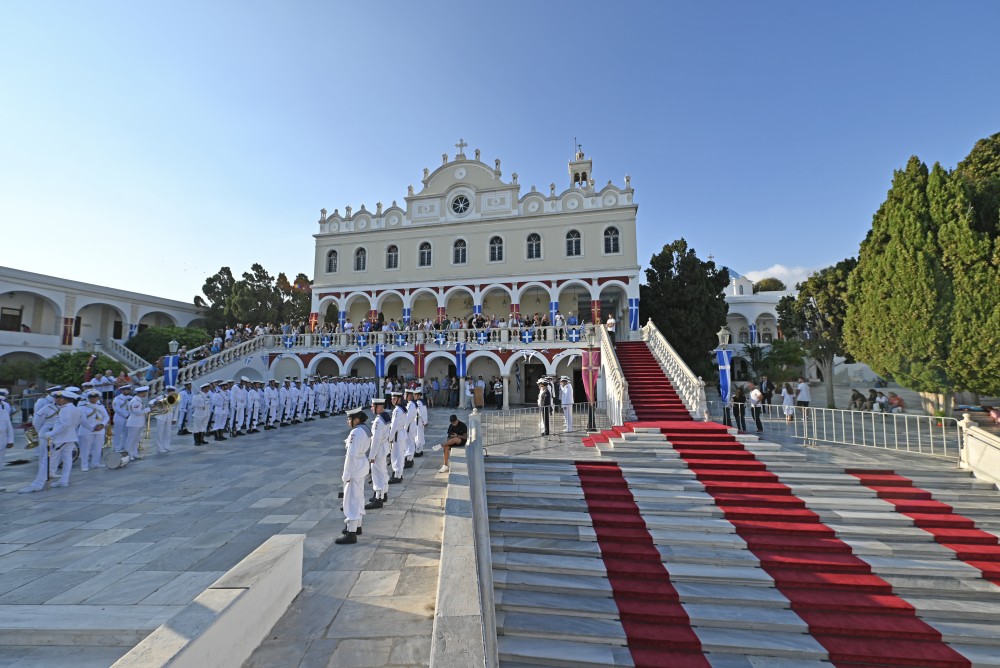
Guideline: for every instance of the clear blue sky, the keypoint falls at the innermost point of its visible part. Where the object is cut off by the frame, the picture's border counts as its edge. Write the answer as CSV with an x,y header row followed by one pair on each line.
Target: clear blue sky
x,y
169,139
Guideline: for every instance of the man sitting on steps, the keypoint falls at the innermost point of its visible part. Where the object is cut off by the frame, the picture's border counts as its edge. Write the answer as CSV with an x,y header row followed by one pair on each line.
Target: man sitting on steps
x,y
458,434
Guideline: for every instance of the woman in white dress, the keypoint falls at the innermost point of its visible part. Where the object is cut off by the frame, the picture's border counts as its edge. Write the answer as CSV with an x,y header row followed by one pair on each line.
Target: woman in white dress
x,y
788,402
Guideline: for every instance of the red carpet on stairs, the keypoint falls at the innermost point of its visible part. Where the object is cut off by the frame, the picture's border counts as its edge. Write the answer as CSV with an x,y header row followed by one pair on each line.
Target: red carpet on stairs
x,y
849,610
974,546
657,627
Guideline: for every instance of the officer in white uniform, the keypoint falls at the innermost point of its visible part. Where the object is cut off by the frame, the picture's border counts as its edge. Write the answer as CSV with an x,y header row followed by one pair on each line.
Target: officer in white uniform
x,y
421,422
566,401
7,428
358,444
201,411
62,431
238,396
160,424
184,410
93,430
136,422
411,426
119,407
378,452
397,437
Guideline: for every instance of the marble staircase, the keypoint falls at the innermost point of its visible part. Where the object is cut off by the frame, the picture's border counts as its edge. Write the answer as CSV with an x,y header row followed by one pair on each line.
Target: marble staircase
x,y
555,603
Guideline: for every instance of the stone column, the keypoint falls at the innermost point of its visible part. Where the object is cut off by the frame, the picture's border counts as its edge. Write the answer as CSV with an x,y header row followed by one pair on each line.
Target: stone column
x,y
506,391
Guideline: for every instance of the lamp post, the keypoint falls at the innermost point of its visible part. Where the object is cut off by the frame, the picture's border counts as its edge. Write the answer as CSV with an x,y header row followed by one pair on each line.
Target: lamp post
x,y
590,378
724,359
173,346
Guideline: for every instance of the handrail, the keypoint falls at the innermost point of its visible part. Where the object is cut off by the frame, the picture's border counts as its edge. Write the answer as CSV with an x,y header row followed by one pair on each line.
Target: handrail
x,y
689,387
518,424
132,361
196,369
980,450
503,337
616,387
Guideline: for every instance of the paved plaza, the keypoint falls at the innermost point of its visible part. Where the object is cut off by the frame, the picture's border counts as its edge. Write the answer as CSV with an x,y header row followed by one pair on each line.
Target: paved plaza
x,y
88,571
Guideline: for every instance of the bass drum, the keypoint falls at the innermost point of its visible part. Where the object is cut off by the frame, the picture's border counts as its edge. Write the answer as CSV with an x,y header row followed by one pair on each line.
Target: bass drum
x,y
113,459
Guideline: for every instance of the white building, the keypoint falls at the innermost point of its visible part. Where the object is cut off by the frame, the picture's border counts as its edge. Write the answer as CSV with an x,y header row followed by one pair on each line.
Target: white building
x,y
753,318
466,242
41,316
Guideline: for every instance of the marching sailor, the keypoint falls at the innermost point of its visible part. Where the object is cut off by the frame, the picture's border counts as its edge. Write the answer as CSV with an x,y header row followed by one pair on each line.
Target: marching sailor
x,y
421,422
239,400
184,411
201,410
62,431
378,452
397,437
136,422
566,401
411,426
119,416
545,404
218,399
358,444
93,430
160,423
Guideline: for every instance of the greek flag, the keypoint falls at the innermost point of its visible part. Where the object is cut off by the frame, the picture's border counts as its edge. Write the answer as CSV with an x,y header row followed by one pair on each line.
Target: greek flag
x,y
342,318
380,360
171,365
401,340
407,313
725,358
633,314
263,360
460,362
477,309
324,341
527,336
481,337
440,338
362,340
753,334
289,341
553,307
517,376
133,330
573,335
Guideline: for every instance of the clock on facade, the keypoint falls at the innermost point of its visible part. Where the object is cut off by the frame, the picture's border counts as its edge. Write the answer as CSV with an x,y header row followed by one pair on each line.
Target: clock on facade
x,y
460,204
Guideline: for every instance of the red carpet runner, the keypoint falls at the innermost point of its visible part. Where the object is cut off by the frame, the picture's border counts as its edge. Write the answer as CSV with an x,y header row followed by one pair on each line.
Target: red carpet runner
x,y
975,547
850,611
657,627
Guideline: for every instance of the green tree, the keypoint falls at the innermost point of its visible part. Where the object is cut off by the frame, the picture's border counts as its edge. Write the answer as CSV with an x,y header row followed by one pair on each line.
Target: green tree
x,y
769,284
69,368
254,298
683,296
815,318
924,299
217,289
979,173
12,371
153,342
783,360
296,297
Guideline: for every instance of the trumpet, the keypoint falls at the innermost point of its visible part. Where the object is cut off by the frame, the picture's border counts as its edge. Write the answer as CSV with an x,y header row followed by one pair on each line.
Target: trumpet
x,y
161,406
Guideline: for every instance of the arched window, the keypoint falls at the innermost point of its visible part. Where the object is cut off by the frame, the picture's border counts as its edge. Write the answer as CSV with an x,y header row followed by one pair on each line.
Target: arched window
x,y
572,243
331,262
739,289
611,244
766,336
392,257
361,260
496,249
534,246
425,255
744,335
458,252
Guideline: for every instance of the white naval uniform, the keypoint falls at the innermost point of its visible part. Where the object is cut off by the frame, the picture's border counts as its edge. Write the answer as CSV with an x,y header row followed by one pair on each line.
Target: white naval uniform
x,y
160,429
63,432
239,400
358,443
91,441
218,399
120,407
420,424
201,410
7,432
379,451
44,412
566,400
184,411
411,427
397,439
134,426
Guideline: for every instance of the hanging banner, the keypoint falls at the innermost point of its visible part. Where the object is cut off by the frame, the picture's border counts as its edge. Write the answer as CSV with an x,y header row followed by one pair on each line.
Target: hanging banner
x,y
527,336
573,335
401,339
725,359
380,360
633,314
753,334
591,360
553,307
440,338
288,341
482,337
171,365
418,360
460,361
313,322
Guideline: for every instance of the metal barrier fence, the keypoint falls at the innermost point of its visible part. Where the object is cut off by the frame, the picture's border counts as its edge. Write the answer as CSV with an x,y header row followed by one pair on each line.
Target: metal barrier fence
x,y
516,424
921,434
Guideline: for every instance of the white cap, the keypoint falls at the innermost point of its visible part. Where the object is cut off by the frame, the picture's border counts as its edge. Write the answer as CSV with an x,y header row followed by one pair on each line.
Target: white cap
x,y
67,394
244,379
141,388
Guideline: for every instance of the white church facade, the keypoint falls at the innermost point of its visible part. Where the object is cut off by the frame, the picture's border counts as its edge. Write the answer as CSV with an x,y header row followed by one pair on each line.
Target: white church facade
x,y
468,242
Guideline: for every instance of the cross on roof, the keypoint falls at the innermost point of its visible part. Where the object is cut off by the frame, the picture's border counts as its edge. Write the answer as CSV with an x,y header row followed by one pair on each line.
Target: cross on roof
x,y
461,145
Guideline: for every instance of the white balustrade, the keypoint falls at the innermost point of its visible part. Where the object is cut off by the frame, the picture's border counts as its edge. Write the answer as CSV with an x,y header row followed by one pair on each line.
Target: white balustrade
x,y
688,386
615,385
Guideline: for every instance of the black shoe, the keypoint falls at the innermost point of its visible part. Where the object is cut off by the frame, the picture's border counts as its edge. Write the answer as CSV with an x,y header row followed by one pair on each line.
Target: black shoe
x,y
418,454
345,532
340,495
395,481
372,505
408,464
347,539
254,431
283,424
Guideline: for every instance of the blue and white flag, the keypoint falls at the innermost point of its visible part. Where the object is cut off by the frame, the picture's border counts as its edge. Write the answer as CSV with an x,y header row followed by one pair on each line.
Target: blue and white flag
x,y
133,330
753,334
553,307
263,360
725,359
633,314
288,341
527,336
362,340
171,365
342,319
477,309
380,360
573,334
246,361
482,337
440,338
517,376
407,314
401,339
324,341
460,361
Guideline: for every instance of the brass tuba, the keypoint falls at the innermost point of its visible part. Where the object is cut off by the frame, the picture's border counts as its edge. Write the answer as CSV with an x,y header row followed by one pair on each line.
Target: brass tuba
x,y
164,405
32,436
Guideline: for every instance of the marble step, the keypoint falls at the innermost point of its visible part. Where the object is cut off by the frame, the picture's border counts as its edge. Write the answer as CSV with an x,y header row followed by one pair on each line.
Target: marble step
x,y
795,645
521,652
81,625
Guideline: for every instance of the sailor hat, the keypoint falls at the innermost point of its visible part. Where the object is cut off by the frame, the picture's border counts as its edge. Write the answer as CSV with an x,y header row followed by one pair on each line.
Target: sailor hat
x,y
356,412
564,379
67,394
141,389
90,394
124,387
204,385
54,388
542,381
395,393
244,379
378,400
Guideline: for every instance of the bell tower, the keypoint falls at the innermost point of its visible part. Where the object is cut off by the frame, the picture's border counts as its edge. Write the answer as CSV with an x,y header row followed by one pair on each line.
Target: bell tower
x,y
580,169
